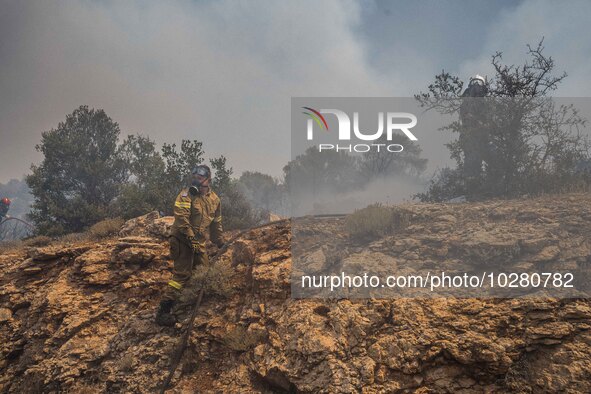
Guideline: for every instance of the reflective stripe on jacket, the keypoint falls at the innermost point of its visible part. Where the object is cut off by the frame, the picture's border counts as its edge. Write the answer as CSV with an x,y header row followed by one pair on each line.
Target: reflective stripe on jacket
x,y
194,215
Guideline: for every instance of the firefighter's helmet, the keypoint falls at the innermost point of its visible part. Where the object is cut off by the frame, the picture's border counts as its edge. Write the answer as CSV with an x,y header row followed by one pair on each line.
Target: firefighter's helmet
x,y
478,79
202,170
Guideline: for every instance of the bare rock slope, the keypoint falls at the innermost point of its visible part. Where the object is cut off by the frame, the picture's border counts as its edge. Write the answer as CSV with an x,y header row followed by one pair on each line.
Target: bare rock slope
x,y
79,317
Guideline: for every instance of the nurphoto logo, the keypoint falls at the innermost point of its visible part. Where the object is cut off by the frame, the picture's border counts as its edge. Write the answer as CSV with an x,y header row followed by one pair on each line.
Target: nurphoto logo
x,y
402,121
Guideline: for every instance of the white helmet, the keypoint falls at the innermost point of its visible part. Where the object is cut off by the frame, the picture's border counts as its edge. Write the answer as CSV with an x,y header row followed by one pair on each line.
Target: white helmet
x,y
480,80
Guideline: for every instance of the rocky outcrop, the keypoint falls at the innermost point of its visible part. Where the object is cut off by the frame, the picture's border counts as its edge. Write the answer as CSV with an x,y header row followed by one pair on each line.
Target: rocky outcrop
x,y
151,224
79,318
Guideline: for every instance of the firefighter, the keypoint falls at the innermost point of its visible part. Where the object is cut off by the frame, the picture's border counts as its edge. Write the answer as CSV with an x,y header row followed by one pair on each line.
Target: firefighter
x,y
474,135
4,207
197,209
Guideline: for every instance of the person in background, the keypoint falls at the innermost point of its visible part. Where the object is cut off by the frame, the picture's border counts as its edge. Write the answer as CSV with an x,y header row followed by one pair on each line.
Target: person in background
x,y
4,207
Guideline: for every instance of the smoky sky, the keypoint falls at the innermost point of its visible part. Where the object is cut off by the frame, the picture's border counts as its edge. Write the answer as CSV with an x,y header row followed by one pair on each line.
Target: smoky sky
x,y
224,72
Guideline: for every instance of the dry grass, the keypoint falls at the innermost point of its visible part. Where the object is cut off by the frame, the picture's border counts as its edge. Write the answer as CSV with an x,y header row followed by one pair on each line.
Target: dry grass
x,y
9,247
376,220
73,238
102,229
40,240
240,339
216,280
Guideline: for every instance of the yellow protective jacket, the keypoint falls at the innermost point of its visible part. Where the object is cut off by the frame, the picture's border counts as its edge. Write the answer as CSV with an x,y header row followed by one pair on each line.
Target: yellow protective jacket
x,y
193,215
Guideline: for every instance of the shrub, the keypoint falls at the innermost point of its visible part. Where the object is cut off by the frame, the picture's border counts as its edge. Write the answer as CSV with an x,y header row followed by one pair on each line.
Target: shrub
x,y
446,184
106,227
217,281
376,220
73,238
40,240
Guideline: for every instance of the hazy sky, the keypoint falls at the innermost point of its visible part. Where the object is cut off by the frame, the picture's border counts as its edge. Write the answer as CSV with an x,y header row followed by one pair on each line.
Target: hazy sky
x,y
223,71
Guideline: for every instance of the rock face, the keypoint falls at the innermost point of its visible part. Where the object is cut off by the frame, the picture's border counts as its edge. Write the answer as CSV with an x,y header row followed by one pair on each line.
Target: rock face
x,y
150,224
79,318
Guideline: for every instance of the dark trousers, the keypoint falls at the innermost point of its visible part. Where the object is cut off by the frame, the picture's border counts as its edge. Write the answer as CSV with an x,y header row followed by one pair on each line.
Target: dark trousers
x,y
185,262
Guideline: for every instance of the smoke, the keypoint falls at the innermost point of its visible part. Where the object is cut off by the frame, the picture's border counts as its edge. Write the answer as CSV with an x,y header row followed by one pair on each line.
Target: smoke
x,y
385,190
220,72
224,72
560,24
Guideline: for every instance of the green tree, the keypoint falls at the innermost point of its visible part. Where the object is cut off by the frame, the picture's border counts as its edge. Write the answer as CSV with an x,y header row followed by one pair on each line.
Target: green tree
x,y
408,163
86,176
222,179
80,175
263,191
315,172
180,162
145,167
178,165
237,212
530,143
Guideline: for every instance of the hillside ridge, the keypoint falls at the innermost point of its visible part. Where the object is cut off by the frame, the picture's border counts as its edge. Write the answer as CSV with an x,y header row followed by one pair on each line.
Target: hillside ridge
x,y
79,317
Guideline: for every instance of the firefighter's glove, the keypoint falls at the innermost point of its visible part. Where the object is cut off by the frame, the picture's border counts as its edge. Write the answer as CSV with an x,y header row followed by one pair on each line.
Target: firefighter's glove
x,y
194,244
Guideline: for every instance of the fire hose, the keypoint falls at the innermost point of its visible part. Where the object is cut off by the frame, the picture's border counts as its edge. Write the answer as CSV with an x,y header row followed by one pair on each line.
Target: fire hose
x,y
20,220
